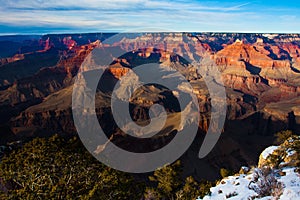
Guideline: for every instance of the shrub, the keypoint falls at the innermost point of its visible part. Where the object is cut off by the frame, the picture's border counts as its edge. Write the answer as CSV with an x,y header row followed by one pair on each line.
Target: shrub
x,y
152,194
58,169
205,188
264,183
171,186
282,136
168,179
190,190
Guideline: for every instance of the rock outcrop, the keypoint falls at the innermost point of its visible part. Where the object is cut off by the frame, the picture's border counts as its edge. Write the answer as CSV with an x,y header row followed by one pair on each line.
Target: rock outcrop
x,y
276,176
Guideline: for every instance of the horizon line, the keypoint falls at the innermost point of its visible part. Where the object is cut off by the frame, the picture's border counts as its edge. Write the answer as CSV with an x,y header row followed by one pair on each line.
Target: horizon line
x,y
117,32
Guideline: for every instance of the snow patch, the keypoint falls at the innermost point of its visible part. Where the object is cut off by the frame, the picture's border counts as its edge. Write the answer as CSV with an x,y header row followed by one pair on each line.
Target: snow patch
x,y
291,182
236,187
268,151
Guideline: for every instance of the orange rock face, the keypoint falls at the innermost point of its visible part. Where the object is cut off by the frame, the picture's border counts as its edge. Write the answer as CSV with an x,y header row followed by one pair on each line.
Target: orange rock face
x,y
118,72
258,55
238,51
16,57
69,42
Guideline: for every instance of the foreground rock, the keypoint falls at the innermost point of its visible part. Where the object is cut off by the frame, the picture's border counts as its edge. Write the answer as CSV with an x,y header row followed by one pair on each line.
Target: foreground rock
x,y
277,176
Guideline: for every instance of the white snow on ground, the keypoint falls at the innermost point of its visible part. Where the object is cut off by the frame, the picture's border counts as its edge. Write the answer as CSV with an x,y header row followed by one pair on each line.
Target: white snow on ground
x,y
291,183
236,187
230,186
282,181
269,151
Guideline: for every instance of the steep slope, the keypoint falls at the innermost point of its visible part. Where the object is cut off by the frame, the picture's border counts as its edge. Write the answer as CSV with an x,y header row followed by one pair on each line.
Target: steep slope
x,y
254,68
277,176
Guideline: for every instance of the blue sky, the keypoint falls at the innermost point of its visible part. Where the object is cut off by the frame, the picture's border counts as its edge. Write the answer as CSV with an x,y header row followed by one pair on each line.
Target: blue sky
x,y
67,16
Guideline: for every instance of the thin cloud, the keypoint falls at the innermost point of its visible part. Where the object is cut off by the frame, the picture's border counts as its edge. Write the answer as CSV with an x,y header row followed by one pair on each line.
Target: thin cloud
x,y
101,15
237,7
110,4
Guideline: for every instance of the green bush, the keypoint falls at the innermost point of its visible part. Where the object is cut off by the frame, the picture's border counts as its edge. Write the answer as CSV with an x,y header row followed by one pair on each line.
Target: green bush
x,y
58,169
168,179
170,185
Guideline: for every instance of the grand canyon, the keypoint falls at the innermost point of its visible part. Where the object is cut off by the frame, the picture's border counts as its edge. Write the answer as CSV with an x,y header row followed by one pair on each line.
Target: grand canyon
x,y
260,72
